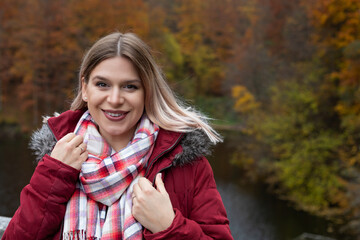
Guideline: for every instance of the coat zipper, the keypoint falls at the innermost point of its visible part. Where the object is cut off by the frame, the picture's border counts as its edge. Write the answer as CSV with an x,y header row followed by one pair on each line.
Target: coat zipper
x,y
162,153
163,169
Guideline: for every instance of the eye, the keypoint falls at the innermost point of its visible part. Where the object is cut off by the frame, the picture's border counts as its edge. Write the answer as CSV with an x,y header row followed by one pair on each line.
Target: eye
x,y
101,84
131,86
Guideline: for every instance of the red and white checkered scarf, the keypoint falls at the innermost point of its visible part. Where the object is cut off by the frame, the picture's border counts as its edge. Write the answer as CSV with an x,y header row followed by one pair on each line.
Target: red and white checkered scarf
x,y
100,207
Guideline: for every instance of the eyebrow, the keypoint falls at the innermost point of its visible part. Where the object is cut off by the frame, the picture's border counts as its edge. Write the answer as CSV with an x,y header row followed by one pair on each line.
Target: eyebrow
x,y
126,81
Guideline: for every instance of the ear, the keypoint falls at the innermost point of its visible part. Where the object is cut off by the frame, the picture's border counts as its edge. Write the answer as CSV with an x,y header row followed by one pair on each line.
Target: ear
x,y
83,89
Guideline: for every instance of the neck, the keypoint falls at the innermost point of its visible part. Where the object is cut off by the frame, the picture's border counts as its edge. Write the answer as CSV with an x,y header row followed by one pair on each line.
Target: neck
x,y
118,142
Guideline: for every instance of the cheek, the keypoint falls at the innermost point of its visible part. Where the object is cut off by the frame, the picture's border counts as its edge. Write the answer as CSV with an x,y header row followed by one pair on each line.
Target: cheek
x,y
141,106
139,102
93,97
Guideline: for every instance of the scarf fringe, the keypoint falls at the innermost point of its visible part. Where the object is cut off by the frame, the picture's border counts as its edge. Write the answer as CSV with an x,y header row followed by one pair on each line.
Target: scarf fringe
x,y
77,235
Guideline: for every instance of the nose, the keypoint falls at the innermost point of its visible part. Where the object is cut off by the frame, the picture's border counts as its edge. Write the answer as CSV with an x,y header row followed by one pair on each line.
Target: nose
x,y
115,97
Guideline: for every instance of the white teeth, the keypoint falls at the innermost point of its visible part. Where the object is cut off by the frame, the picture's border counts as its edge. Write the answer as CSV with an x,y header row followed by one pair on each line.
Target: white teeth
x,y
114,114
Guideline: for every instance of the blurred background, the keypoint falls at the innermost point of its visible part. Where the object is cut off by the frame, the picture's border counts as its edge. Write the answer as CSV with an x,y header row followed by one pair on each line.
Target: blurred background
x,y
280,78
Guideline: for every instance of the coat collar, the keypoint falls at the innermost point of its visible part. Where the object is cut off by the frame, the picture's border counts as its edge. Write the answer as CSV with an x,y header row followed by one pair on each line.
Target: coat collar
x,y
180,148
64,123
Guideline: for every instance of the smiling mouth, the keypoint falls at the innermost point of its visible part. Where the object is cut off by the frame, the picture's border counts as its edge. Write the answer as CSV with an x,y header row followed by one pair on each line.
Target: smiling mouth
x,y
115,115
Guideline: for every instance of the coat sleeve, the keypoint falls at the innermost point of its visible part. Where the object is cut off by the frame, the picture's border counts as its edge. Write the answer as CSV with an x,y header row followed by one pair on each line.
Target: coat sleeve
x,y
43,201
207,218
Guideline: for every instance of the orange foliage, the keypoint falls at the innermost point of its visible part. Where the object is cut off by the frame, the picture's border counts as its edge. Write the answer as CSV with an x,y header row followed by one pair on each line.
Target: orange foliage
x,y
338,21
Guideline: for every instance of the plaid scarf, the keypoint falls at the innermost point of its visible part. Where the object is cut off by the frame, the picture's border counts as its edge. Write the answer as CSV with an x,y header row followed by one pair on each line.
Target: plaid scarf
x,y
100,207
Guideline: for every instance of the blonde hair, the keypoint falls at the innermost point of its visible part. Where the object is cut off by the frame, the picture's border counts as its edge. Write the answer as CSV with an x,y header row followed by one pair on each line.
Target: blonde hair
x,y
161,105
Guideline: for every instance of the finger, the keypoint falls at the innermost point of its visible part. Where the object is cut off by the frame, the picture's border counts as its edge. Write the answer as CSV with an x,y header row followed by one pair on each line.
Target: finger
x,y
144,183
67,137
133,197
83,147
76,141
136,189
79,161
78,150
160,184
134,201
83,156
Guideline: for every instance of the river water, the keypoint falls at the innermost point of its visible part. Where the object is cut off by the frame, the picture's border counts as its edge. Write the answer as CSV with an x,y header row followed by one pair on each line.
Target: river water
x,y
254,213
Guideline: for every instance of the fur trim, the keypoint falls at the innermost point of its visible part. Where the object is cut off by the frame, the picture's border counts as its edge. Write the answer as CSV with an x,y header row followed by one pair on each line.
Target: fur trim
x,y
194,144
46,118
42,142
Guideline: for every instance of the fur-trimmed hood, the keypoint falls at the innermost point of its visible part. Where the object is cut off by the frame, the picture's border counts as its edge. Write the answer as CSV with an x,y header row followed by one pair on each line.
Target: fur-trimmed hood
x,y
194,145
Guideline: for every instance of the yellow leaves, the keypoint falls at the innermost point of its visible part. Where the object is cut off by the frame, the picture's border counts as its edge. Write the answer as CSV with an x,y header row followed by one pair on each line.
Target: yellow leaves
x,y
341,109
244,100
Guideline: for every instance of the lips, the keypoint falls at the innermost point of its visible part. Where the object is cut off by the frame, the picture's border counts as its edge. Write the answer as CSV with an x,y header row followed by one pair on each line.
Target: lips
x,y
115,115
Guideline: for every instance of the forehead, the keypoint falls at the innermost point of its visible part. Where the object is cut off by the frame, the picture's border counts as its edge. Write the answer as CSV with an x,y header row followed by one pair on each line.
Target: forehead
x,y
116,67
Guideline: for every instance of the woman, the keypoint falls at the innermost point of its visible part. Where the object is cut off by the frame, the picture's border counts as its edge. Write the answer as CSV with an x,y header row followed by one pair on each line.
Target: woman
x,y
126,162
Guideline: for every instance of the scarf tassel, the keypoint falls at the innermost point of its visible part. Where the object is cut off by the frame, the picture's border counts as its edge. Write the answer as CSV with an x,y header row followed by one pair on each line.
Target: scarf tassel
x,y
77,235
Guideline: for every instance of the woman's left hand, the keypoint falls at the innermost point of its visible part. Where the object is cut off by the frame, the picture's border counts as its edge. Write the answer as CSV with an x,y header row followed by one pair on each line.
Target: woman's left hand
x,y
152,207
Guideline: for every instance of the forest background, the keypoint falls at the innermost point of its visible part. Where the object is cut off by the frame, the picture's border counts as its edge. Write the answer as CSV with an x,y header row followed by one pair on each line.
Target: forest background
x,y
286,74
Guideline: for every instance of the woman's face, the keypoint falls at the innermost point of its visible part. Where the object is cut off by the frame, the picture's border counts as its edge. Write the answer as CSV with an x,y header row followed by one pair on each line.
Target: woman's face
x,y
115,99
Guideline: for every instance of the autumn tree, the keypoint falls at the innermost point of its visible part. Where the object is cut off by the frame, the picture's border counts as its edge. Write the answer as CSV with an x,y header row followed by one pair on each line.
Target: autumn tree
x,y
298,120
200,61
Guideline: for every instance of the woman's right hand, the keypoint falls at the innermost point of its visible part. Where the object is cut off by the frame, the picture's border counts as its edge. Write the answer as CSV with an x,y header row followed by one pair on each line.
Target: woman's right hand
x,y
70,150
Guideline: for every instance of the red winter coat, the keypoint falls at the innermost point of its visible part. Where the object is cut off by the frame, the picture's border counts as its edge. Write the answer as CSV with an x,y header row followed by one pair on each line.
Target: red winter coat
x,y
187,175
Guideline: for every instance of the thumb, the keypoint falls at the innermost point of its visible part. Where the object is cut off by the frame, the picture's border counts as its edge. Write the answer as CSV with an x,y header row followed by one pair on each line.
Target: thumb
x,y
159,183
